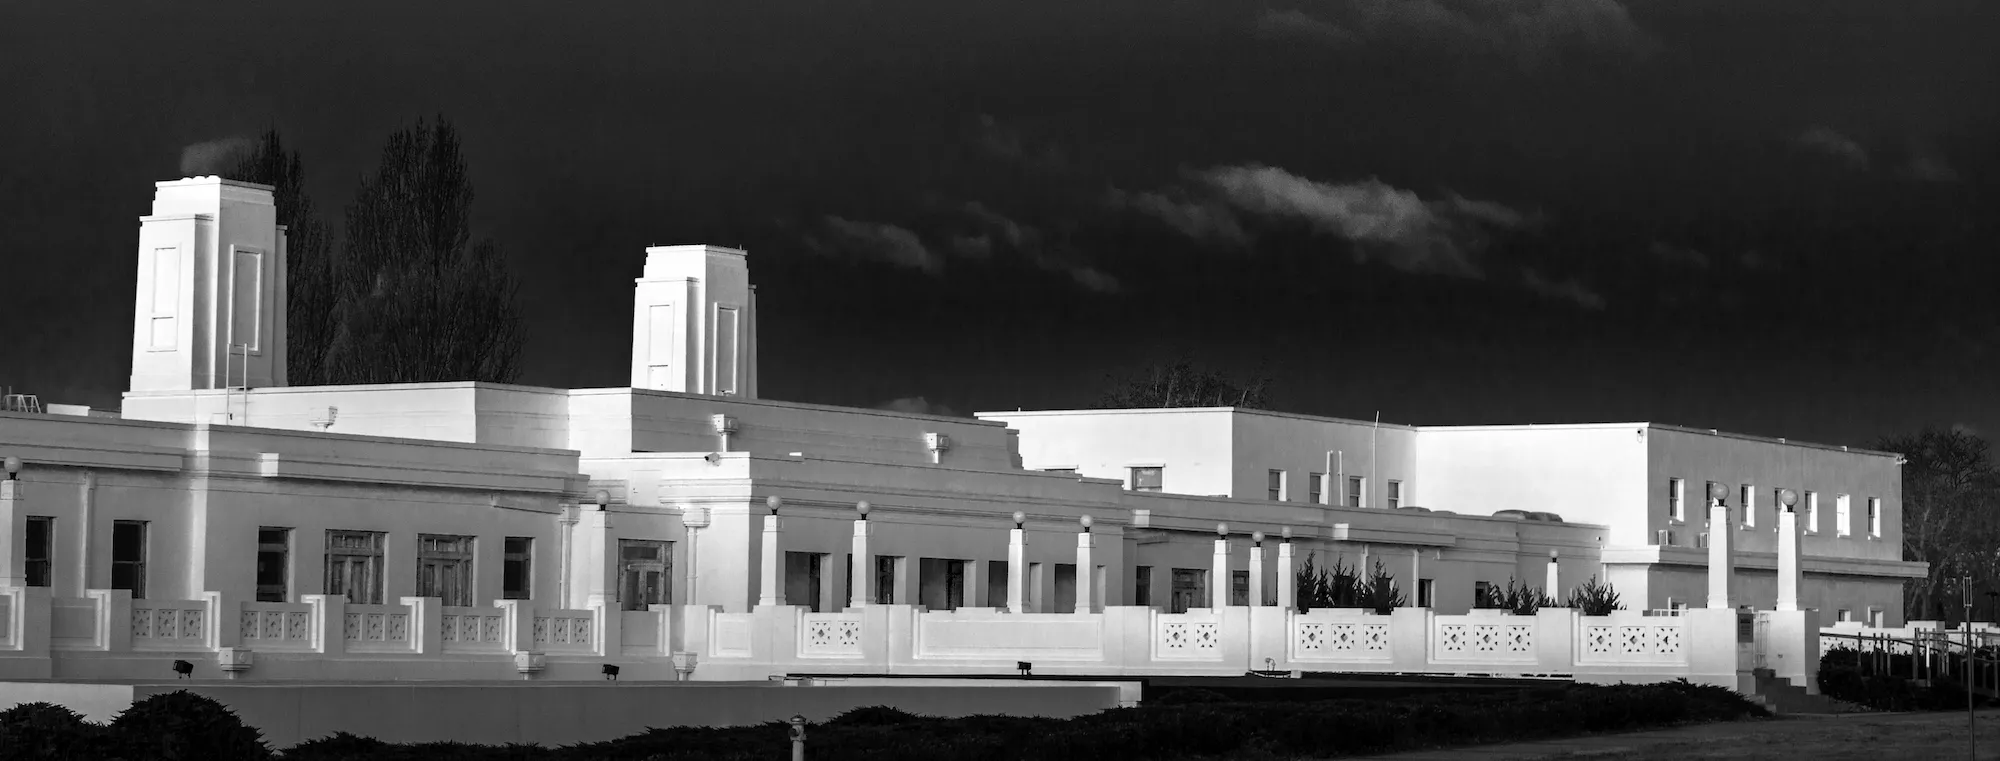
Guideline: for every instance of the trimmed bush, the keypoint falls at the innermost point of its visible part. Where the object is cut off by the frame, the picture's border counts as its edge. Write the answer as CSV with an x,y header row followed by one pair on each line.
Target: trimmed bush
x,y
49,731
183,725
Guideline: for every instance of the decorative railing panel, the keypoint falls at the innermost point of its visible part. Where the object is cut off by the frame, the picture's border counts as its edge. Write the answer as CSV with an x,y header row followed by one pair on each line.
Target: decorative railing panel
x,y
1183,636
377,627
830,635
1483,639
730,634
169,624
276,625
1631,640
565,631
1337,637
473,629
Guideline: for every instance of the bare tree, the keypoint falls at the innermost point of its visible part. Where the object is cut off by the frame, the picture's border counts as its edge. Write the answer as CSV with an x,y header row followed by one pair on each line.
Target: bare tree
x,y
1183,383
1949,518
309,291
417,300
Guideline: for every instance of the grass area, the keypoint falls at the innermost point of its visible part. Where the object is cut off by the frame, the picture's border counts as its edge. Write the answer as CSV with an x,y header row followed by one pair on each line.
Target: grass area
x,y
1855,737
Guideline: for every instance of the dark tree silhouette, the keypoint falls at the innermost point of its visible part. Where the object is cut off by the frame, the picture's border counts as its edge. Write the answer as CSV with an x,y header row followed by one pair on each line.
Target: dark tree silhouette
x,y
309,292
417,299
1183,383
1949,516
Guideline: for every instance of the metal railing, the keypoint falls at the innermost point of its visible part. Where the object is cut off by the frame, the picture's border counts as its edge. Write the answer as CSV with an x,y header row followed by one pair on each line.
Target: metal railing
x,y
1925,658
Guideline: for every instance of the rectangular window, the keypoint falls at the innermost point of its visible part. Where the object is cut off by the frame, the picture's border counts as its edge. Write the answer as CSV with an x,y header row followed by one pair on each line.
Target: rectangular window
x,y
166,297
645,570
1142,586
1482,594
1274,486
246,285
1426,591
517,568
444,569
274,564
1239,587
1395,494
725,350
1676,496
1315,487
1878,618
659,346
1749,506
1875,517
1842,526
1357,490
354,566
1146,479
885,579
128,557
1846,615
1812,512
41,541
1190,590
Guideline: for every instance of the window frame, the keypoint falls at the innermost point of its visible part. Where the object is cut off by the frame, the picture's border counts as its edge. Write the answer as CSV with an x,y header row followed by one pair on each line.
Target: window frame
x,y
1874,517
526,573
1677,500
284,555
1843,515
46,563
1393,493
1749,497
134,568
372,559
1357,491
1158,473
1316,488
633,569
452,556
1812,512
1274,485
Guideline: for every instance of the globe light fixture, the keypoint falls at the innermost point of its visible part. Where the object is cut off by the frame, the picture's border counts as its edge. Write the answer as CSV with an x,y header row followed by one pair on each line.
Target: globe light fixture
x,y
1717,492
1020,518
774,503
1222,530
603,499
862,508
1788,498
1085,520
1257,538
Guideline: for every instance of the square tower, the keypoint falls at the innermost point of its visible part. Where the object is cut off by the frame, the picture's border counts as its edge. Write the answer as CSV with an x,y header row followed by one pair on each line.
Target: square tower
x,y
694,322
209,311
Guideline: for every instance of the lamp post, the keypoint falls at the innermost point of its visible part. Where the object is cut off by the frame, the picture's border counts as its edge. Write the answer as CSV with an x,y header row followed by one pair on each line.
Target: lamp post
x,y
13,468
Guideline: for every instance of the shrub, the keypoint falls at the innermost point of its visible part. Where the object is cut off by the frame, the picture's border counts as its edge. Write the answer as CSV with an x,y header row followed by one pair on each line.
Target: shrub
x,y
1190,696
1518,598
1335,587
46,730
1594,599
184,725
1380,593
872,716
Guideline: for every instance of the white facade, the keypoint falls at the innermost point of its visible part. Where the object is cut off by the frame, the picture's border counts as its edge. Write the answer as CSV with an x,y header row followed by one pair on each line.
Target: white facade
x,y
471,512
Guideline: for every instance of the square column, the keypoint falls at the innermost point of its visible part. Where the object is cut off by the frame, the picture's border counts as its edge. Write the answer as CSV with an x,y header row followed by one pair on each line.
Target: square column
x,y
771,588
1219,581
1720,562
864,563
1788,553
1288,595
1412,595
13,531
1257,569
1553,584
1086,578
1017,565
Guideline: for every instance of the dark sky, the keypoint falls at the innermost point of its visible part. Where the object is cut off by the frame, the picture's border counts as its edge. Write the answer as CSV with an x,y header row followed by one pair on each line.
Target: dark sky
x,y
1771,217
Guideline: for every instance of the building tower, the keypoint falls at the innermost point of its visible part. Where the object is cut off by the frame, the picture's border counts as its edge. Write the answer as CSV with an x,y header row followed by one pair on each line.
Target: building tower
x,y
694,322
209,311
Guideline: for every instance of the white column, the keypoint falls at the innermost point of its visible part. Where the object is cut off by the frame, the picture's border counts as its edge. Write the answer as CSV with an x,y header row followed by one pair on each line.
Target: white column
x,y
1788,557
1257,569
1017,565
13,532
1218,578
864,564
1553,585
771,585
1413,588
597,551
1288,595
1085,579
1719,560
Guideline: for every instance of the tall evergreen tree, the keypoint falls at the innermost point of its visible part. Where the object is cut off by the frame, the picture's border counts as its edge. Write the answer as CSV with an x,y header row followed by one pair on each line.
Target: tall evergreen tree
x,y
309,289
417,299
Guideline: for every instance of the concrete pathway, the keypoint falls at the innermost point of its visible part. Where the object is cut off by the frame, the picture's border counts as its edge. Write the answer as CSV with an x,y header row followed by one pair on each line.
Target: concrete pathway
x,y
1821,738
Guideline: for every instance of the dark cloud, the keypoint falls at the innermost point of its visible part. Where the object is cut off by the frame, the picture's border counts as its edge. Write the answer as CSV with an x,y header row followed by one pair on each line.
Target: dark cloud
x,y
1009,142
1571,290
1671,254
1033,247
1832,143
1927,165
917,405
213,156
1526,31
876,242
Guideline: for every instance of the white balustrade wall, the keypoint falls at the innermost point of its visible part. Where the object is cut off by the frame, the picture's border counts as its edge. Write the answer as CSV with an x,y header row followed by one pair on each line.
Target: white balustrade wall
x,y
416,638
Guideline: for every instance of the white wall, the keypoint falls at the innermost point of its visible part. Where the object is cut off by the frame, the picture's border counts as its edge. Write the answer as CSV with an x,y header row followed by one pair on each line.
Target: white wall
x,y
1299,445
1195,446
1587,473
1700,457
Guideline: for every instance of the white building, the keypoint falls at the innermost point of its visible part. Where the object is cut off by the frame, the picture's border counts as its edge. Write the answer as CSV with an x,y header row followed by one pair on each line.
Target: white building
x,y
222,495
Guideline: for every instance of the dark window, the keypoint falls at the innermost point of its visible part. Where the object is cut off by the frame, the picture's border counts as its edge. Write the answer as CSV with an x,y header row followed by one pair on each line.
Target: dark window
x,y
444,569
1482,594
1425,592
1189,590
1314,483
354,566
885,579
1239,587
40,550
1354,491
1146,479
274,564
647,571
517,569
1142,586
1274,486
128,557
